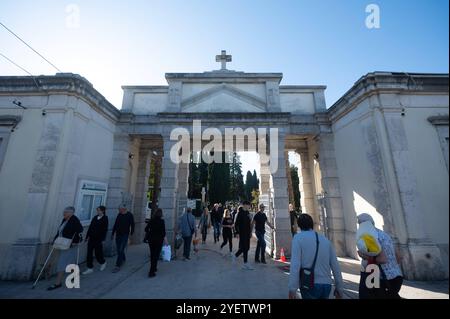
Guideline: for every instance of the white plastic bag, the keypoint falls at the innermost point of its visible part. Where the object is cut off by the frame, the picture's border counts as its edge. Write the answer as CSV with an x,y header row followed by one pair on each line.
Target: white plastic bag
x,y
367,239
166,253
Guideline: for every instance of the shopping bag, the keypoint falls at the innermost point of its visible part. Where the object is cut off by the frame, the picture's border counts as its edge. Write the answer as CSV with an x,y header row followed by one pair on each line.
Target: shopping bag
x,y
166,253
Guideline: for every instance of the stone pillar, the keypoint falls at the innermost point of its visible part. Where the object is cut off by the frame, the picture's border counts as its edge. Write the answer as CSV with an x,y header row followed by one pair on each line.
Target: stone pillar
x,y
333,200
307,197
264,198
169,190
117,186
140,198
183,175
283,234
289,178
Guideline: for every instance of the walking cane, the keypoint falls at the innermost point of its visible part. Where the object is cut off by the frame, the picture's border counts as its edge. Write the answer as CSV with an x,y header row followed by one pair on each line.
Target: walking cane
x,y
42,270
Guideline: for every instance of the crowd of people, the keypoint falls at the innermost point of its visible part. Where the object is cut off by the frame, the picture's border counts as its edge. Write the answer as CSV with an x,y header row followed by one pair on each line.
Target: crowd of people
x,y
314,266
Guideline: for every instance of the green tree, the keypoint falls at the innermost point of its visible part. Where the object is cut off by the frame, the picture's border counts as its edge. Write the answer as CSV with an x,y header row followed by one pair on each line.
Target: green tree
x,y
237,192
219,181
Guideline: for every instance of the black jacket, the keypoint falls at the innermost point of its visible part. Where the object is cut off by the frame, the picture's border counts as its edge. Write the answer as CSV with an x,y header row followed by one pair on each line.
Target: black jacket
x,y
244,223
97,229
155,230
73,230
124,224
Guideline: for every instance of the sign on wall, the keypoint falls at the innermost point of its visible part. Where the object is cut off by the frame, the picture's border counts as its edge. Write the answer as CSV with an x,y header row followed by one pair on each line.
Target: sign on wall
x,y
90,195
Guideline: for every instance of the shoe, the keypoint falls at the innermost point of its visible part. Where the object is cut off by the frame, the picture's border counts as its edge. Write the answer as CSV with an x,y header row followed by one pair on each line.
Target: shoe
x,y
184,259
88,271
257,261
247,267
188,258
151,274
263,262
233,258
116,269
53,287
103,266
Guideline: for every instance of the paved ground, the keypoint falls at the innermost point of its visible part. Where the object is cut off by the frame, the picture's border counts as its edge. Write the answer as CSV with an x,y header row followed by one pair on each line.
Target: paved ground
x,y
207,275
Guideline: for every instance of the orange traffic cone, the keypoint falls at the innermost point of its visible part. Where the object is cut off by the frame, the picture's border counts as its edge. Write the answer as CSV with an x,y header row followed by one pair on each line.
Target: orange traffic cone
x,y
282,257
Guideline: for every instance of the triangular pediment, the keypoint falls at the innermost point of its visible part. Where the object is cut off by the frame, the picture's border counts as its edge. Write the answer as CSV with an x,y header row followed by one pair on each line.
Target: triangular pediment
x,y
223,98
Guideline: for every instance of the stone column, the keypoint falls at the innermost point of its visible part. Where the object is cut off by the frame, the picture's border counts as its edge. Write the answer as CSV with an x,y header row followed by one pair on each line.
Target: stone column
x,y
117,186
307,198
283,234
140,198
183,175
264,198
333,200
289,178
169,190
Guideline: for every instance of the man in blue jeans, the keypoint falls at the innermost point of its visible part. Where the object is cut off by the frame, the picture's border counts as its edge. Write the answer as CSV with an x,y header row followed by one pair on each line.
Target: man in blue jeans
x,y
123,228
186,226
259,222
313,250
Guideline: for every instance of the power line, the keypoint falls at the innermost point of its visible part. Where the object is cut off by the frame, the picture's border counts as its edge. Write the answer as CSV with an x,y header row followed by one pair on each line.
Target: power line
x,y
29,47
23,69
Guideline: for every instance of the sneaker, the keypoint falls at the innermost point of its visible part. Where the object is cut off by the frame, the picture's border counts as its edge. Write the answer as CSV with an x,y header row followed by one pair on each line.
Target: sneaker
x,y
88,271
116,269
103,266
247,267
233,258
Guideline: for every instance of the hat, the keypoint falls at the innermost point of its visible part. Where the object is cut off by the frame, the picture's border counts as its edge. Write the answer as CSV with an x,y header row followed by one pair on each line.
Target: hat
x,y
364,218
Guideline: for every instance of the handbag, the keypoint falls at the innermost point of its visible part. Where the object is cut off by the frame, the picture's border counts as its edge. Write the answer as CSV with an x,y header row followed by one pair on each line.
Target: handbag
x,y
62,243
307,274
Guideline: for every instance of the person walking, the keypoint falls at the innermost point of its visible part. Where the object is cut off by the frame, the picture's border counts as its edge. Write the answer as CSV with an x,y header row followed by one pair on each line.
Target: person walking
x,y
227,230
204,224
156,236
244,229
259,222
186,226
95,237
70,228
122,229
313,252
216,221
388,262
293,217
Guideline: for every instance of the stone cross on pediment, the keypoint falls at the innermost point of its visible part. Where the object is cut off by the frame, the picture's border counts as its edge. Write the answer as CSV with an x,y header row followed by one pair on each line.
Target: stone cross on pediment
x,y
223,58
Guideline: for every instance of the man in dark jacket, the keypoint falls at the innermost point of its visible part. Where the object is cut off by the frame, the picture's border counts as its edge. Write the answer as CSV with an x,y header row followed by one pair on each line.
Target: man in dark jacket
x,y
123,228
244,229
156,236
95,237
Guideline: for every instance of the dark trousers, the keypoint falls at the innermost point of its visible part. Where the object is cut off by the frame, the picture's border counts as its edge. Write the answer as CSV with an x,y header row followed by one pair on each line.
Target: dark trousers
x,y
227,238
260,246
204,232
98,248
155,251
121,244
244,246
187,246
389,289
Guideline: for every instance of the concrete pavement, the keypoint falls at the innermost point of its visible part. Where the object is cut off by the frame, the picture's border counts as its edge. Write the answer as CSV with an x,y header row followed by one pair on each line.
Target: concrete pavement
x,y
207,275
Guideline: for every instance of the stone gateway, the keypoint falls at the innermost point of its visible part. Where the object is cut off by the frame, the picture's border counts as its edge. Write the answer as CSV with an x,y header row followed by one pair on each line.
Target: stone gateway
x,y
381,149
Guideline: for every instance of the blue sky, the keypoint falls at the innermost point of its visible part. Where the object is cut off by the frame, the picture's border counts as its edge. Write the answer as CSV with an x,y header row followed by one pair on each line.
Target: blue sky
x,y
311,42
